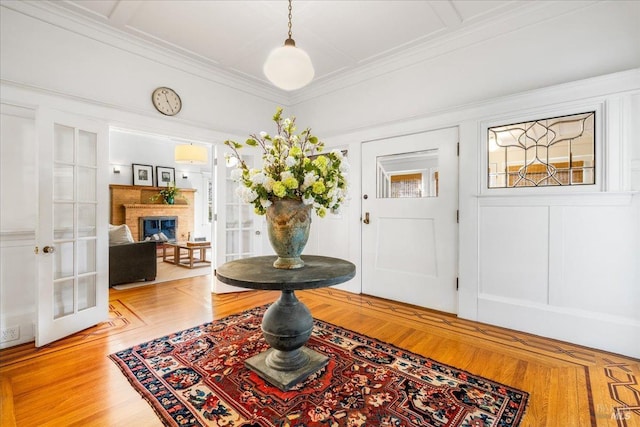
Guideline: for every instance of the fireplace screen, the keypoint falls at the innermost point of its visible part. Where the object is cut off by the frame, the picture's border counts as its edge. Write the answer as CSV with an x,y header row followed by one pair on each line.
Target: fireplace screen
x,y
159,228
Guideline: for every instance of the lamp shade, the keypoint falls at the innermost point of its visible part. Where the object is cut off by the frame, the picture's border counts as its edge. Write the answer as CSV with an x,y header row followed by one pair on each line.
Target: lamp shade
x,y
193,154
288,67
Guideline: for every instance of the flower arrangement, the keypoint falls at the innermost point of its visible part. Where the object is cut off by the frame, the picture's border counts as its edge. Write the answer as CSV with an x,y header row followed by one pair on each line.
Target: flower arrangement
x,y
168,194
291,169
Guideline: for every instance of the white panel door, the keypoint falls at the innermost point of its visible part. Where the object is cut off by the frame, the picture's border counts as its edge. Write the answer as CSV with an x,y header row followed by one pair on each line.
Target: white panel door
x,y
72,240
409,213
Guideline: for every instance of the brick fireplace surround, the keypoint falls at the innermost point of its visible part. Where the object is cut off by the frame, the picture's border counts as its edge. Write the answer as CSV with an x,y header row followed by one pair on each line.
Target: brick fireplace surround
x,y
129,203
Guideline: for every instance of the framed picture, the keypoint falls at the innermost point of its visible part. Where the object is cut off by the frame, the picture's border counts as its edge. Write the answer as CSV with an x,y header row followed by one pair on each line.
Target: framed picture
x,y
142,175
165,176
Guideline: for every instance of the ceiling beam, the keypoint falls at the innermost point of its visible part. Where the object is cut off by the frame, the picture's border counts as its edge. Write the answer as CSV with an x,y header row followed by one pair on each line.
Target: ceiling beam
x,y
123,11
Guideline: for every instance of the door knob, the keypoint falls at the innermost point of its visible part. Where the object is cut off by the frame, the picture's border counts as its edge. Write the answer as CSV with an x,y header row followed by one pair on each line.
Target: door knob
x,y
366,218
48,249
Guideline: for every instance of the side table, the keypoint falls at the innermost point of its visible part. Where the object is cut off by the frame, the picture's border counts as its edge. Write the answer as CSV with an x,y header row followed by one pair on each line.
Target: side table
x,y
287,324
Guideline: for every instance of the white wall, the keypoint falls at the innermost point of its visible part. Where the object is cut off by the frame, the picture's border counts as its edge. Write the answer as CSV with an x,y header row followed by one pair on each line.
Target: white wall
x,y
17,221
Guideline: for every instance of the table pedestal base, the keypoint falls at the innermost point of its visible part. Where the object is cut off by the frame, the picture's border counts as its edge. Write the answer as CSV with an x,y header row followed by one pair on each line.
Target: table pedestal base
x,y
286,379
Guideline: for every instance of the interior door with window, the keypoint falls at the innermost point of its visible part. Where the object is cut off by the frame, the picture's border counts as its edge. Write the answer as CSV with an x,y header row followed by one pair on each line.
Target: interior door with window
x,y
409,219
72,251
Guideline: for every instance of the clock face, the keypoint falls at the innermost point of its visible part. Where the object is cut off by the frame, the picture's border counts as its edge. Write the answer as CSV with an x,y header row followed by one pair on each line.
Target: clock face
x,y
166,101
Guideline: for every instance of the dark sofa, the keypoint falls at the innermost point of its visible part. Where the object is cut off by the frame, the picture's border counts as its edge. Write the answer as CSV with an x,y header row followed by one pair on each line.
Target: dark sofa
x,y
130,262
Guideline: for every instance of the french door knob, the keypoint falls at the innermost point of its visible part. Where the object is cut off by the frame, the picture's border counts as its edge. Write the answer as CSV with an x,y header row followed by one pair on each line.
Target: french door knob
x,y
366,218
48,249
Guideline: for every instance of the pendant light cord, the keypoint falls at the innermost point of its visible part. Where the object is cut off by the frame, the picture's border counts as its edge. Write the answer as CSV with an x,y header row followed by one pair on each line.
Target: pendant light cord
x,y
289,18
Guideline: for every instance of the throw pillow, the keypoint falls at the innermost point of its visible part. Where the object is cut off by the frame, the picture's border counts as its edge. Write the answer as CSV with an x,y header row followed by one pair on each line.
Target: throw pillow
x,y
119,234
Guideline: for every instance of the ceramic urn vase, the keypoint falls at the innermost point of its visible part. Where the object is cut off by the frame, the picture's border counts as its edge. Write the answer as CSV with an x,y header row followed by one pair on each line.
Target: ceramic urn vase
x,y
288,224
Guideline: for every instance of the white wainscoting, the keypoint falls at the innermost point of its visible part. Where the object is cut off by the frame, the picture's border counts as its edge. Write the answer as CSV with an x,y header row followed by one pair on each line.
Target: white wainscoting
x,y
566,268
18,284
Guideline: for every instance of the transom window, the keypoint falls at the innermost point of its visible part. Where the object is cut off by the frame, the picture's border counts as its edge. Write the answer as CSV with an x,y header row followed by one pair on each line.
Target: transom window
x,y
540,153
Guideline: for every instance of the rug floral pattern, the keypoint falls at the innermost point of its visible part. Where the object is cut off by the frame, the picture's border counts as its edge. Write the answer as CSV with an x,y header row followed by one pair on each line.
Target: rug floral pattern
x,y
197,377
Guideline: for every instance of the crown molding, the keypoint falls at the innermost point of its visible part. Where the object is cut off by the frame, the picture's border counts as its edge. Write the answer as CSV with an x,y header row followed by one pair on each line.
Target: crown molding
x,y
528,14
52,13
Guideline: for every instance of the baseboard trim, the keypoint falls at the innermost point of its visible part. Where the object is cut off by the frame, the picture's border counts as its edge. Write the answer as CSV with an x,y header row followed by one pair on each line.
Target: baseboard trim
x,y
610,333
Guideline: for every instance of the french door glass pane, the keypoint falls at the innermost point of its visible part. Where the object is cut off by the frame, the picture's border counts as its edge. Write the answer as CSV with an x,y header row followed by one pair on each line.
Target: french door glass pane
x,y
86,292
233,238
62,221
86,184
247,216
63,144
62,182
86,220
62,298
247,241
232,216
87,143
63,260
86,256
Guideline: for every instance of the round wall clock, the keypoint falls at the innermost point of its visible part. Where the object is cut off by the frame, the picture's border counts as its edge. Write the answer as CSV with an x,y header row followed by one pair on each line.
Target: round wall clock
x,y
166,101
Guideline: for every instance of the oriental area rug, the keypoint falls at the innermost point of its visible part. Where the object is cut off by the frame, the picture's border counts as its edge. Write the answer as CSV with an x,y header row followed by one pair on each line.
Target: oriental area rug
x,y
197,377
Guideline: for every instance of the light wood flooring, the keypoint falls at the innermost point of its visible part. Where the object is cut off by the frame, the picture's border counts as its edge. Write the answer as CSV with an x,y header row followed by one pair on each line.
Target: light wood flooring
x,y
72,382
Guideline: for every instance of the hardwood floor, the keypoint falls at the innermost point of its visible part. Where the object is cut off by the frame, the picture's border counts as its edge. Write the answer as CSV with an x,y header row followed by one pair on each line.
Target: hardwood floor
x,y
72,382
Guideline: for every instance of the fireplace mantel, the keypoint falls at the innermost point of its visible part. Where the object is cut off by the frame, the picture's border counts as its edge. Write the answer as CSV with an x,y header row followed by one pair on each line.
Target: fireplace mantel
x,y
129,203
153,206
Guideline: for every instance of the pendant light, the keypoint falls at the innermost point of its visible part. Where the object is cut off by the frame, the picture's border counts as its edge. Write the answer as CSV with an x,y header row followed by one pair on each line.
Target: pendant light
x,y
289,67
192,154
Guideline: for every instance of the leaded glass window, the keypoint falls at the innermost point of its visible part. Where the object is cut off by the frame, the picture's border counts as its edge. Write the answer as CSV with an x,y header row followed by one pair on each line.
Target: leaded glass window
x,y
556,151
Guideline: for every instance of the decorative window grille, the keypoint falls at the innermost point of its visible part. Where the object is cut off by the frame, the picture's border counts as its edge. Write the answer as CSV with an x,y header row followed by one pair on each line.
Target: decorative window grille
x,y
556,151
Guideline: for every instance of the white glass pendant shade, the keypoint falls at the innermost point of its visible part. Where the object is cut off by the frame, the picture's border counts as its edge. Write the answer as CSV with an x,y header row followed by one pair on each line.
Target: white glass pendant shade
x,y
289,67
193,154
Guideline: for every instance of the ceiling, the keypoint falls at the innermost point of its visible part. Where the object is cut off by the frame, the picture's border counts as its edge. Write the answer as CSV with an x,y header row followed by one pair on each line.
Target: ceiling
x,y
341,36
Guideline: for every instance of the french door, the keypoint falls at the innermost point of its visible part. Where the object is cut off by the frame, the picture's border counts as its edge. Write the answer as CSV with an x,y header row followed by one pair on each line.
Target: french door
x,y
409,212
72,241
238,229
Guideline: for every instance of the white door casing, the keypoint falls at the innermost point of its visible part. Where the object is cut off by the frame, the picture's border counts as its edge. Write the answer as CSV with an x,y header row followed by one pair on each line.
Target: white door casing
x,y
72,237
409,245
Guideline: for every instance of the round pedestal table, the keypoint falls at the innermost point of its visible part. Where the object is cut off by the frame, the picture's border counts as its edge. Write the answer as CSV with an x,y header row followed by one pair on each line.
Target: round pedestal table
x,y
287,324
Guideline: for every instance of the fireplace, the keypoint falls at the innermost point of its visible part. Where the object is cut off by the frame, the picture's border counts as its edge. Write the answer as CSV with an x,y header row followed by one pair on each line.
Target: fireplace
x,y
158,228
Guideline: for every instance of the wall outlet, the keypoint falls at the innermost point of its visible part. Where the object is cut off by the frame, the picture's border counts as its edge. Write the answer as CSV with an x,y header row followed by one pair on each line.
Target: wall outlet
x,y
10,334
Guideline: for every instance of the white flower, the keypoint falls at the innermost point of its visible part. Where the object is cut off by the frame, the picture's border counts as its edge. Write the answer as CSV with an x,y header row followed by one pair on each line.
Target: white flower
x,y
290,162
286,175
265,202
259,178
268,184
337,153
263,134
248,195
309,179
236,174
307,200
344,166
